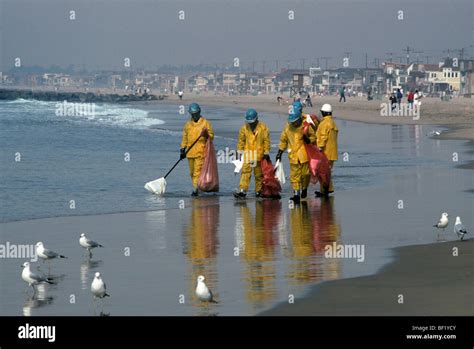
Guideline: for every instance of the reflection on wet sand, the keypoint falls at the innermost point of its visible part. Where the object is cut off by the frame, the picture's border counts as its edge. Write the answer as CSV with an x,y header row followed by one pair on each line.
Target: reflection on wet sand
x,y
87,266
201,242
39,299
260,226
257,249
312,226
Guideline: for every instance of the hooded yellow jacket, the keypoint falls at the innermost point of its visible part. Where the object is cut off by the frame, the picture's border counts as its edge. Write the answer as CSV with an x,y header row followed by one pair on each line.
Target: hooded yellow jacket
x,y
191,131
327,137
257,140
292,138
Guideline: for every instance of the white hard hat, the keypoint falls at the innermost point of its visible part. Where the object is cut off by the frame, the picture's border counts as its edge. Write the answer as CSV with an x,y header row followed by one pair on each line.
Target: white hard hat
x,y
326,108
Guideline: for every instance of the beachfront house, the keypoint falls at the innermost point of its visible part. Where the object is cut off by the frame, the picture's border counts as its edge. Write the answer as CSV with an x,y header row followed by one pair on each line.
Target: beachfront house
x,y
445,76
467,79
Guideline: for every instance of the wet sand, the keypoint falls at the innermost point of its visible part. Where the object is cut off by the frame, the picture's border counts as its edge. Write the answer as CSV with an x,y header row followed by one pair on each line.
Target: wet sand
x,y
431,280
457,114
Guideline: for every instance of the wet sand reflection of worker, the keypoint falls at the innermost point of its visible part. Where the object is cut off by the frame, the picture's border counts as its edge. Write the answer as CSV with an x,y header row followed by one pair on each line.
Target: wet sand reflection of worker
x,y
201,241
258,249
313,226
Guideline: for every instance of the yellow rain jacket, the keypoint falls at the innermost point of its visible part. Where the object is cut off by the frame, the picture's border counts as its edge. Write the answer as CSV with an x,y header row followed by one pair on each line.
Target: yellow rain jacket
x,y
327,137
292,138
254,142
191,131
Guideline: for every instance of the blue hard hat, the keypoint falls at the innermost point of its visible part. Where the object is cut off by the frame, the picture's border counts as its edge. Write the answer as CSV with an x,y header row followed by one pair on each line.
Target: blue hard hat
x,y
294,115
194,108
251,115
298,106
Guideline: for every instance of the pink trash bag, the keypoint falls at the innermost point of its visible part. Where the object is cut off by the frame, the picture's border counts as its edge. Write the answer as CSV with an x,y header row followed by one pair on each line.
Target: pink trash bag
x,y
318,165
209,178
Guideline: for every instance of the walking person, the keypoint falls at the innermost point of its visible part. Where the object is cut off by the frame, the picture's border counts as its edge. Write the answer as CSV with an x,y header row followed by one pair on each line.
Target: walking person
x,y
253,146
342,94
326,140
293,139
196,127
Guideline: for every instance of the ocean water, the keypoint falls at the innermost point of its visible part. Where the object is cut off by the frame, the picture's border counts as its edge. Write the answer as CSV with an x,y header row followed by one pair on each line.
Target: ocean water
x,y
48,160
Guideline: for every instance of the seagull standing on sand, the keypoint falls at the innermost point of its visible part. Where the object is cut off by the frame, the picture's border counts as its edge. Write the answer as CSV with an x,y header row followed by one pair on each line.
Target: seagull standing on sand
x,y
46,254
443,222
88,244
203,292
459,228
98,287
33,278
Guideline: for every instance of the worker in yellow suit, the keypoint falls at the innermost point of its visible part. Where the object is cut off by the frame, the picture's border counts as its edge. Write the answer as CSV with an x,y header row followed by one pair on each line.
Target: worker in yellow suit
x,y
196,127
292,137
312,120
327,142
253,146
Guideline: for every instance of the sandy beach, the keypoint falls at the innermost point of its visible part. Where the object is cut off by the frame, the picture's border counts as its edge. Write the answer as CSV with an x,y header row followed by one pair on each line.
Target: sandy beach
x,y
457,114
431,280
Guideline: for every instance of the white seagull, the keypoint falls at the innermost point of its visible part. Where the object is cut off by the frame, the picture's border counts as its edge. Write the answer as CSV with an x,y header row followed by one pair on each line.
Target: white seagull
x,y
443,222
98,287
46,254
32,278
203,292
459,228
88,244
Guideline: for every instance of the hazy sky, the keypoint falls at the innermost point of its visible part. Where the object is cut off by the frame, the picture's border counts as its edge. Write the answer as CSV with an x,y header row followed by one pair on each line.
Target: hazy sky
x,y
150,33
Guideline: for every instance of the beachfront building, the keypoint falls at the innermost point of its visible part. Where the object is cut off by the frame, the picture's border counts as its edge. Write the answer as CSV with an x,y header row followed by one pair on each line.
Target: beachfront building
x,y
444,77
467,78
396,76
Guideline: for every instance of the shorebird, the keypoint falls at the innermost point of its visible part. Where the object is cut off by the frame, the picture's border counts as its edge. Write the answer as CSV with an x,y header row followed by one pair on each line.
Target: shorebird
x,y
98,287
443,222
88,244
459,228
33,278
203,292
46,254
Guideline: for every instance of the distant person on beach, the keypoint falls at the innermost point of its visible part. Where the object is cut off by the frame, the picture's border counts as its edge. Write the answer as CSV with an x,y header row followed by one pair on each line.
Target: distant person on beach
x,y
196,127
399,97
308,101
417,98
252,147
410,98
326,140
342,94
180,94
393,101
279,98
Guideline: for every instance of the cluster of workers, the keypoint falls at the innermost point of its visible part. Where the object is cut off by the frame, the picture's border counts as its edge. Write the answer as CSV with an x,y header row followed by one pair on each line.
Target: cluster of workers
x,y
254,138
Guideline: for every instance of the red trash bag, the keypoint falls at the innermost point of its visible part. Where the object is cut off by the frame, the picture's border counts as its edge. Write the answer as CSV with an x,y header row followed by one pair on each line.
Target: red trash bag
x,y
209,177
271,185
318,165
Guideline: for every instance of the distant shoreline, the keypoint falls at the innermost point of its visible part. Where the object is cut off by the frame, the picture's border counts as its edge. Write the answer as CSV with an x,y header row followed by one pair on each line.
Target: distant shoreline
x,y
457,115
